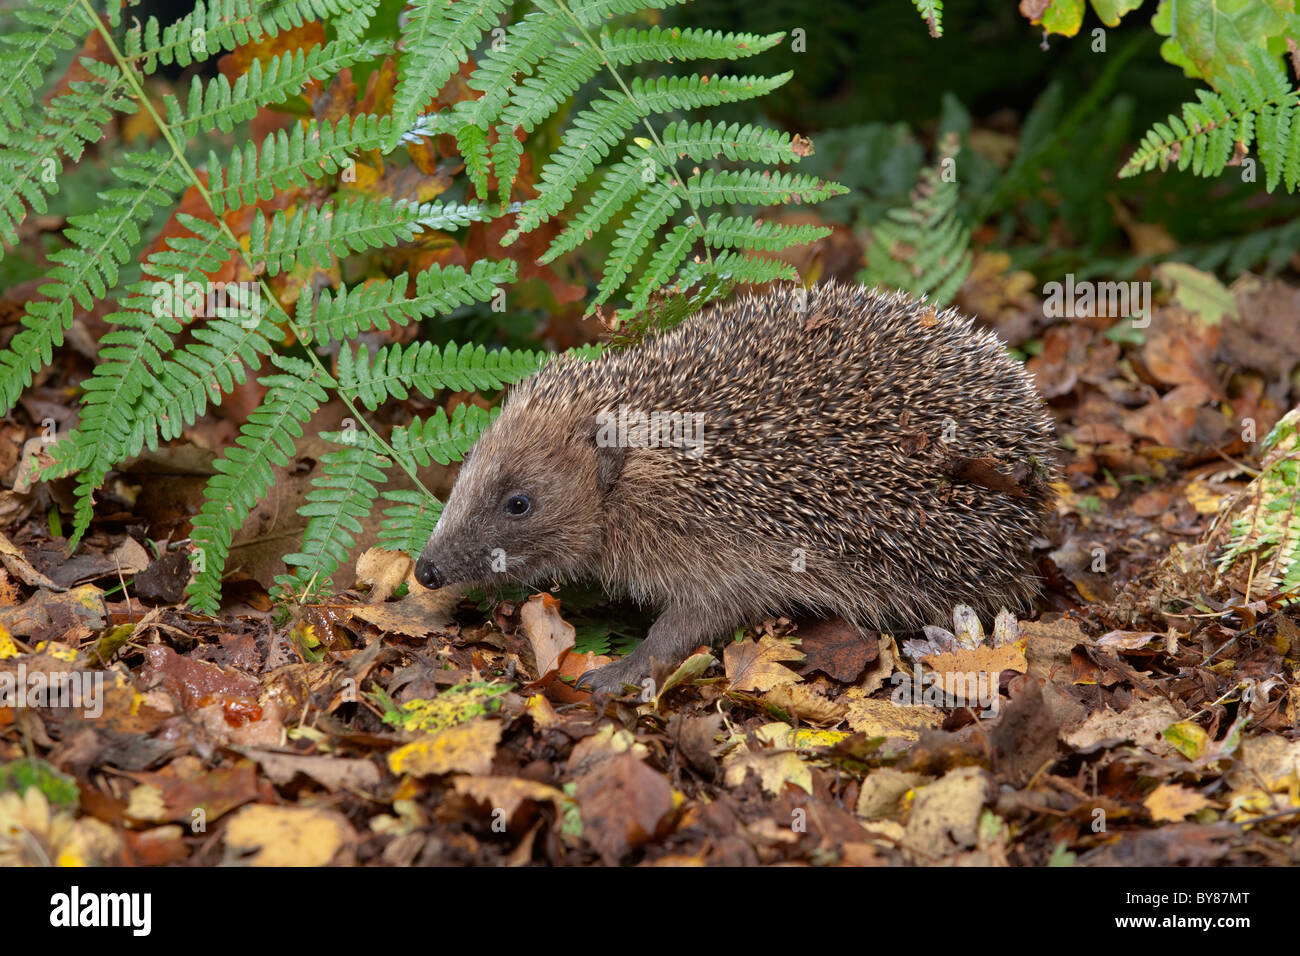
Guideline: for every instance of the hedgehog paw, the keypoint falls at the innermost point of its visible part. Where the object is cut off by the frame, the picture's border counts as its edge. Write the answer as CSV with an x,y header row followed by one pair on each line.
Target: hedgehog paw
x,y
614,678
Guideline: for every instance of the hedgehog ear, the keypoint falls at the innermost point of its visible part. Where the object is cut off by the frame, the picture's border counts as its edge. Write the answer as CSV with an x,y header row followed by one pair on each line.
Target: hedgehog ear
x,y
609,452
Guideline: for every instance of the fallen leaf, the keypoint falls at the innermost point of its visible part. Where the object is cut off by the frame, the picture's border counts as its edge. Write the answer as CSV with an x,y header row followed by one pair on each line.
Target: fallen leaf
x,y
464,748
774,769
264,835
758,666
550,634
884,718
1174,802
624,804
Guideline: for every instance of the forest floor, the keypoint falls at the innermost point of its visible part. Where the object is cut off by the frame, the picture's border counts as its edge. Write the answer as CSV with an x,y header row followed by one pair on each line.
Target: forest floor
x,y
1145,714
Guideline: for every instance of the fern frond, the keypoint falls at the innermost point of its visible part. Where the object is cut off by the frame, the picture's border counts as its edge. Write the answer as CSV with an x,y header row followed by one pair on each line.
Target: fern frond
x,y
438,38
634,235
644,162
931,12
723,232
213,364
532,39
55,25
663,264
429,369
201,373
408,524
440,438
712,187
1262,550
218,105
102,242
30,161
532,68
344,314
562,74
340,498
315,233
245,472
923,249
131,355
1255,103
596,130
310,150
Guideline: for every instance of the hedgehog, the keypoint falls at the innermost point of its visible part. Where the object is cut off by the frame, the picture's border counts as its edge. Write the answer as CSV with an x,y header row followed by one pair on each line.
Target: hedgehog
x,y
829,450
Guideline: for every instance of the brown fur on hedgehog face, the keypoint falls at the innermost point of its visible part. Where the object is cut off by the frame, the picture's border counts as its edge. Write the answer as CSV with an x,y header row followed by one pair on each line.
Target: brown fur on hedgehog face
x,y
527,505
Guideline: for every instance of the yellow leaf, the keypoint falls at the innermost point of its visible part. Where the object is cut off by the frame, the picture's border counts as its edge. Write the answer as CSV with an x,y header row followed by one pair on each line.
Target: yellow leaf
x,y
884,718
757,667
1174,802
465,748
774,769
287,836
1188,738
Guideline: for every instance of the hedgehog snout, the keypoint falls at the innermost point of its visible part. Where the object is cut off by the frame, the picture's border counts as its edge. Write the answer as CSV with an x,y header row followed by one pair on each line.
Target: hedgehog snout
x,y
427,573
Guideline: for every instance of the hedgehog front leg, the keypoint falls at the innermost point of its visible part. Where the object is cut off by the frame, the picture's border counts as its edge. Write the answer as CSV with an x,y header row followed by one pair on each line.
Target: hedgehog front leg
x,y
675,633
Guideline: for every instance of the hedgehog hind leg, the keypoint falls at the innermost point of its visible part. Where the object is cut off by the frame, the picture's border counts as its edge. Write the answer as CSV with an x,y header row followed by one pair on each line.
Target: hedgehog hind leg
x,y
674,634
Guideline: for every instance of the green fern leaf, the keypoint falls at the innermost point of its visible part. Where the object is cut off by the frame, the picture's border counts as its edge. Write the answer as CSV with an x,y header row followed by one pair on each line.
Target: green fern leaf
x,y
340,500
219,105
245,472
752,188
599,128
923,249
31,164
438,38
24,55
440,438
645,162
407,525
344,314
315,233
932,13
1263,538
131,355
430,369
294,158
1255,103
102,242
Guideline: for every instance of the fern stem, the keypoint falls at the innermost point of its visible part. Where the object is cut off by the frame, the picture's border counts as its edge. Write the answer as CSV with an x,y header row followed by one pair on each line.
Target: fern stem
x,y
138,92
678,182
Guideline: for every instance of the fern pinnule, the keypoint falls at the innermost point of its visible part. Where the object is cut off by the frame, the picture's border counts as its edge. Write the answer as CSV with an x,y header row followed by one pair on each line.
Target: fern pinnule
x,y
345,313
291,158
315,233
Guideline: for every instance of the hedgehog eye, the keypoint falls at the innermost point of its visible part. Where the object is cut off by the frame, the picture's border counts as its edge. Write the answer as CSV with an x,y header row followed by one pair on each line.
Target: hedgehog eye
x,y
518,505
